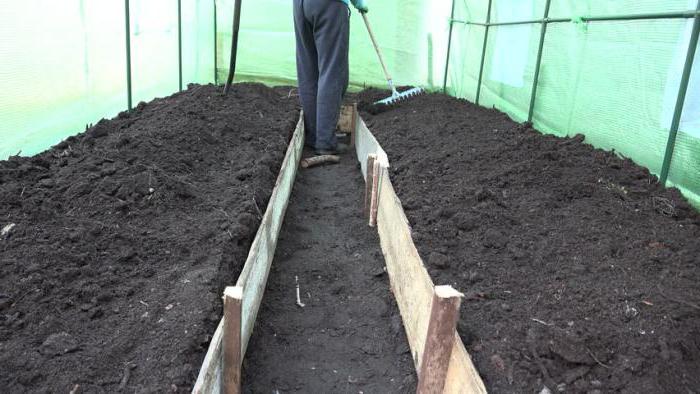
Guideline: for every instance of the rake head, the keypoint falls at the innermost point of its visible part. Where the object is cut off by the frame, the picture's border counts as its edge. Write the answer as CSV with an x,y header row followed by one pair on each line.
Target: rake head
x,y
397,97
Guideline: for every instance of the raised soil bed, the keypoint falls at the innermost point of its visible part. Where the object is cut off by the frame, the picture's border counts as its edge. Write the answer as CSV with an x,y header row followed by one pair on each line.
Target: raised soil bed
x,y
580,271
124,237
348,335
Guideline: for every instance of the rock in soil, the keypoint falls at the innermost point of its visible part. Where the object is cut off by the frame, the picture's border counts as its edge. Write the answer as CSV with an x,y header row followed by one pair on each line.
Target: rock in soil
x,y
58,344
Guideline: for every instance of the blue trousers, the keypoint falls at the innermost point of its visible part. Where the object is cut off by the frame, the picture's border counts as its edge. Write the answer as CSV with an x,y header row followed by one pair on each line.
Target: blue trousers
x,y
322,30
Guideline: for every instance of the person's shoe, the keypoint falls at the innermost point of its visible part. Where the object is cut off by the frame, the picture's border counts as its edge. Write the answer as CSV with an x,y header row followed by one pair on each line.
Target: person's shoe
x,y
339,149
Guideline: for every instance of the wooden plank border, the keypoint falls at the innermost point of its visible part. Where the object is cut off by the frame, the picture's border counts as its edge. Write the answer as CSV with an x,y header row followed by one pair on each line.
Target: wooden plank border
x,y
411,284
366,144
251,283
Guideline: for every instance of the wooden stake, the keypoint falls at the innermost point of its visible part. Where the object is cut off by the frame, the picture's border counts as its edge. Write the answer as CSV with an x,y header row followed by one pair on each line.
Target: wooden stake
x,y
231,379
439,341
353,124
374,202
369,182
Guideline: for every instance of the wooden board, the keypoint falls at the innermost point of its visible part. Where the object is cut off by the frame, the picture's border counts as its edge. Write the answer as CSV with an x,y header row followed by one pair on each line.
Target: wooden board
x,y
444,315
346,120
209,379
366,144
253,278
410,281
231,341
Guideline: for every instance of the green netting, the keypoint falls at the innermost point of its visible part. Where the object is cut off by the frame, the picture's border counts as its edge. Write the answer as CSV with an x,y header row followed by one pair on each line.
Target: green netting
x,y
616,82
464,63
412,33
197,41
64,64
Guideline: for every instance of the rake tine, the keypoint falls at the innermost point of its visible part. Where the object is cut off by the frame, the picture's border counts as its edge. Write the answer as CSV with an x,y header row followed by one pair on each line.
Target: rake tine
x,y
397,97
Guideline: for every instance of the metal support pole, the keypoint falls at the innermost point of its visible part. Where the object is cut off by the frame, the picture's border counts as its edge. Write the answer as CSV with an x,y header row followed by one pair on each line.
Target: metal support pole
x,y
179,42
543,33
598,18
216,52
128,54
234,44
449,48
483,53
680,102
637,17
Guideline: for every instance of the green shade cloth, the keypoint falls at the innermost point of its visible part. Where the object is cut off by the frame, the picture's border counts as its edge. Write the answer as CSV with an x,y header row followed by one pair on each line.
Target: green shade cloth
x,y
64,64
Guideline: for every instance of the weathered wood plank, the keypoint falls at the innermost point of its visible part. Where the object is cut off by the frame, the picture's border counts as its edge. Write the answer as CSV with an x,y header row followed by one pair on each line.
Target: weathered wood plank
x,y
346,118
232,358
353,124
374,197
462,376
253,278
439,342
366,144
410,281
369,184
209,379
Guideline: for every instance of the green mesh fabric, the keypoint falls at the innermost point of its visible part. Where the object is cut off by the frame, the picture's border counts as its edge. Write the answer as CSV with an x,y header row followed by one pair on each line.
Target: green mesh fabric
x,y
64,64
412,34
616,82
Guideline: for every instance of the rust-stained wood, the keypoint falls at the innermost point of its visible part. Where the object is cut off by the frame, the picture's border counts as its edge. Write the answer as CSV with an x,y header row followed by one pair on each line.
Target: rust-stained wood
x,y
232,358
369,184
439,341
374,199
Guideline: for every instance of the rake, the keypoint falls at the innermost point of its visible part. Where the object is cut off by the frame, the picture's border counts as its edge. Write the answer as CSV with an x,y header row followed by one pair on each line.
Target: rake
x,y
395,95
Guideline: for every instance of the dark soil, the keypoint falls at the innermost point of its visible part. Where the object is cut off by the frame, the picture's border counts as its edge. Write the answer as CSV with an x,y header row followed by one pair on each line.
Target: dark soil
x,y
580,271
348,338
125,236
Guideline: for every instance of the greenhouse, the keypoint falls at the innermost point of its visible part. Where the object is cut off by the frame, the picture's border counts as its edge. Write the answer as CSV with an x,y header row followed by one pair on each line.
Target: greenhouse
x,y
319,196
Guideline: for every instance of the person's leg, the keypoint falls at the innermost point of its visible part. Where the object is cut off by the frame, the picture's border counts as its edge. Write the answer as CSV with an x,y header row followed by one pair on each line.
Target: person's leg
x,y
332,34
307,68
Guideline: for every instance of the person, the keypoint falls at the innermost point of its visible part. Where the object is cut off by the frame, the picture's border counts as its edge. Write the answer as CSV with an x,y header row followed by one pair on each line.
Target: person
x,y
322,29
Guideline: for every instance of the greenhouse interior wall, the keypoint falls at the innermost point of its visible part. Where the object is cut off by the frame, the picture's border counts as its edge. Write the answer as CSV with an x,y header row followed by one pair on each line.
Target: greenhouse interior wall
x,y
615,81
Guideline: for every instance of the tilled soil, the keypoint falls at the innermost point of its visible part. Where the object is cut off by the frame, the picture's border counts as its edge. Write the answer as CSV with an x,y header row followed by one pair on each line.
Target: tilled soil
x,y
348,336
580,271
124,236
